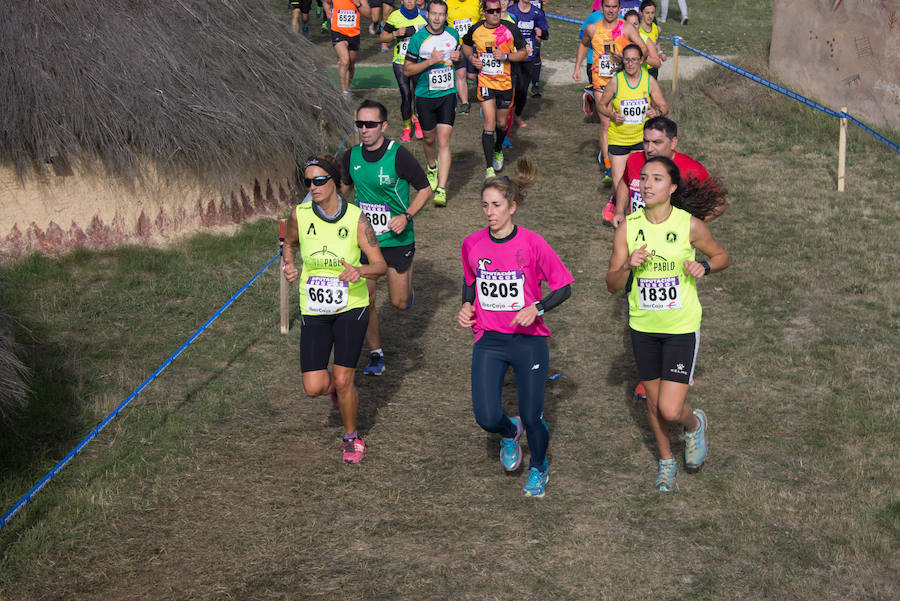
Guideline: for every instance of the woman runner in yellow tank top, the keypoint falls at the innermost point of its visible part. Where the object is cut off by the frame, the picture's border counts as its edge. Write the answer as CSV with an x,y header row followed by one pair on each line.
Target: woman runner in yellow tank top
x,y
653,257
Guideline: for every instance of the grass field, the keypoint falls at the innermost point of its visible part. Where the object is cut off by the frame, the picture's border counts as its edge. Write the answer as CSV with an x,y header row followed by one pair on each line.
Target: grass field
x,y
223,481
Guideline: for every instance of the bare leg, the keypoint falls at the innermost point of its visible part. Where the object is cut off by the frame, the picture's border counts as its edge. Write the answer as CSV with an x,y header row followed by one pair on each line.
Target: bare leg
x,y
444,132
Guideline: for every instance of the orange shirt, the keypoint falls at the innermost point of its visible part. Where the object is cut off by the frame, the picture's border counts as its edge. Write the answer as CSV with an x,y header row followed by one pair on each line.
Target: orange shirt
x,y
494,74
345,17
606,43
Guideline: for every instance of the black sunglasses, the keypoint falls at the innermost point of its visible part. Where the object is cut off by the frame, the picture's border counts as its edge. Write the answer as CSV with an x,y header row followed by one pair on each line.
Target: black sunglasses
x,y
492,11
316,181
367,124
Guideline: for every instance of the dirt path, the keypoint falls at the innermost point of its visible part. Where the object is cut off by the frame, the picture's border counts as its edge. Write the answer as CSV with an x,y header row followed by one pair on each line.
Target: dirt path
x,y
559,72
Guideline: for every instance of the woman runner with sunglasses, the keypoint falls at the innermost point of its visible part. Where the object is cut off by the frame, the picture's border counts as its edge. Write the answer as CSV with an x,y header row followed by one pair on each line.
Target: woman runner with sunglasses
x,y
330,235
503,268
653,258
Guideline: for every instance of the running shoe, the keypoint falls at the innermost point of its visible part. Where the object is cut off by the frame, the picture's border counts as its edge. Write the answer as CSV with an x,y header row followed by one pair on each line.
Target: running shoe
x,y
334,399
498,161
375,366
607,175
684,21
353,450
665,477
432,174
318,11
406,133
464,108
510,449
305,30
536,91
588,102
372,30
325,26
695,445
537,482
440,197
507,143
609,211
384,48
418,128
489,173
412,299
640,392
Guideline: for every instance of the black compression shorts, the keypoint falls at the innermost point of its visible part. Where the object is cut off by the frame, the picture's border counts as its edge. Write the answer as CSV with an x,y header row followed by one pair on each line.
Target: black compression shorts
x,y
435,111
665,356
345,332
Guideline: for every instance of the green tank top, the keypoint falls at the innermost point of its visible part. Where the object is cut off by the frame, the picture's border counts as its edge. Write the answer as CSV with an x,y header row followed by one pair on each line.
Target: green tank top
x,y
381,194
663,298
323,243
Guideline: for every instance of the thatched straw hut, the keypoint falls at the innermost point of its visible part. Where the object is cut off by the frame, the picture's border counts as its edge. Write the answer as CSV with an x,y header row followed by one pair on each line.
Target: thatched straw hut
x,y
132,120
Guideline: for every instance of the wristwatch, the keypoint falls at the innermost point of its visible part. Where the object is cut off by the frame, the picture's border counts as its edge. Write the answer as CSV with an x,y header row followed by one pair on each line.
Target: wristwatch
x,y
540,307
705,266
408,217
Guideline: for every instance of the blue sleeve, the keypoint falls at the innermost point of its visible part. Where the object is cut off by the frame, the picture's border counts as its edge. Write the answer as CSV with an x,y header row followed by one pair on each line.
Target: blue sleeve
x,y
541,21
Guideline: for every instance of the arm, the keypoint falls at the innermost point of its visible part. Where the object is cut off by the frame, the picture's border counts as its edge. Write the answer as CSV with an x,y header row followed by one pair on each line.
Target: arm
x,y
621,263
466,316
346,179
520,52
368,243
391,33
398,224
327,7
635,38
526,316
652,57
364,9
621,203
604,107
657,100
582,51
411,68
291,245
702,239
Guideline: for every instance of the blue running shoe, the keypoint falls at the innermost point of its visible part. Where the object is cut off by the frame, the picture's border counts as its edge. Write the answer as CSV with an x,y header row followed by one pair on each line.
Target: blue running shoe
x,y
665,477
507,143
412,299
375,366
695,445
510,449
537,482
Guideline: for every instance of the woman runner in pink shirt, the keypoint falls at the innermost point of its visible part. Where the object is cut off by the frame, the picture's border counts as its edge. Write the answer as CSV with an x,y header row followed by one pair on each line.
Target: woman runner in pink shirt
x,y
504,266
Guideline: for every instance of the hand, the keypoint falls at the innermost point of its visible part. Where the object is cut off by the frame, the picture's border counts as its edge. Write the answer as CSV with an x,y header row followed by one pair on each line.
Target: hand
x,y
576,75
639,257
401,33
499,54
538,33
525,316
662,56
437,55
290,272
619,117
695,269
466,316
351,273
653,112
528,48
476,61
397,224
454,55
618,220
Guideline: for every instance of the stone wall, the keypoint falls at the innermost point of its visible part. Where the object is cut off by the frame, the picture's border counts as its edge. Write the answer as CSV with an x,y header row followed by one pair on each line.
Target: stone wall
x,y
841,53
59,210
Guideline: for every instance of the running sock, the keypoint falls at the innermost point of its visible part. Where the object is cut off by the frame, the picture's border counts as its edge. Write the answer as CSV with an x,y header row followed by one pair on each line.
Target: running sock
x,y
351,436
407,124
488,141
379,351
606,161
499,134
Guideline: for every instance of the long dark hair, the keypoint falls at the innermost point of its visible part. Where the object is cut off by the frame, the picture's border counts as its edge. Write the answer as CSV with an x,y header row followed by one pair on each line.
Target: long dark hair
x,y
699,198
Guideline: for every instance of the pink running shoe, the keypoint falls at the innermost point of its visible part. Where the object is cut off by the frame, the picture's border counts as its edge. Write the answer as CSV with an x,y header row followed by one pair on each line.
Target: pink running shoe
x,y
640,392
406,133
353,450
588,103
418,127
609,211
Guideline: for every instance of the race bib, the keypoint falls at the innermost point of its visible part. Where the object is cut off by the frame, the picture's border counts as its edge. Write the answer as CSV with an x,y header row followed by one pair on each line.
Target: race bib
x,y
462,26
440,79
347,18
525,26
605,66
378,215
634,110
404,44
501,290
634,192
326,295
491,65
659,294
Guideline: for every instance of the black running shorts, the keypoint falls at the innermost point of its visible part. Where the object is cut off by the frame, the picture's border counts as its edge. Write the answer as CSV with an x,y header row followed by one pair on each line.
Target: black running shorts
x,y
502,98
398,257
434,111
665,356
345,332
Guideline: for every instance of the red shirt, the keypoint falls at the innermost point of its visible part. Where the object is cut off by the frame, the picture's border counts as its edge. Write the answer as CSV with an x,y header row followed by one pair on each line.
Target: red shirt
x,y
688,167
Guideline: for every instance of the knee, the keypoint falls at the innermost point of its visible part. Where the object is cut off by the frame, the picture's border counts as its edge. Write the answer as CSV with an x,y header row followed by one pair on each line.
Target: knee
x,y
401,301
343,382
670,413
343,61
317,387
490,421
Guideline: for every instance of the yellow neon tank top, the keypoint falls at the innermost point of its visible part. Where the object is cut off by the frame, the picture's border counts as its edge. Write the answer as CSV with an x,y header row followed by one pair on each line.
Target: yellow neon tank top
x,y
633,102
663,298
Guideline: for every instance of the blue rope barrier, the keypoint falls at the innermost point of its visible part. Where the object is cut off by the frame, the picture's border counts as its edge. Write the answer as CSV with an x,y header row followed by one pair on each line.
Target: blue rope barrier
x,y
564,18
59,466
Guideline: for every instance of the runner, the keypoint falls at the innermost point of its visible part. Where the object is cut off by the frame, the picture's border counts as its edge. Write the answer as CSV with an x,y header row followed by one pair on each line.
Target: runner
x,y
533,24
383,172
330,235
344,18
654,253
660,140
300,10
400,27
381,10
629,99
491,45
590,107
650,32
504,266
430,57
607,38
651,59
461,15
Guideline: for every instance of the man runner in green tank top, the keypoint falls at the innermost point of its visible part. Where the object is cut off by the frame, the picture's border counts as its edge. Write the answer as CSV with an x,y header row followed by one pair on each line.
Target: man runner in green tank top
x,y
383,173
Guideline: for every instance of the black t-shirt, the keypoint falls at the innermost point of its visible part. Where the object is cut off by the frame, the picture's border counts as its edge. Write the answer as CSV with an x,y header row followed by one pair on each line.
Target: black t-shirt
x,y
405,163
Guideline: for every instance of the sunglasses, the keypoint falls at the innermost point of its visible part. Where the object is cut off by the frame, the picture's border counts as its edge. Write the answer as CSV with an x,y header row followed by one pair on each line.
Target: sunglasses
x,y
316,181
492,11
367,124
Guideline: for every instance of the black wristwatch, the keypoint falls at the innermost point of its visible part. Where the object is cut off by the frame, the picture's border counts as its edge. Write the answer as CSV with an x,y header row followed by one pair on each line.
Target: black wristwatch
x,y
705,267
540,307
409,220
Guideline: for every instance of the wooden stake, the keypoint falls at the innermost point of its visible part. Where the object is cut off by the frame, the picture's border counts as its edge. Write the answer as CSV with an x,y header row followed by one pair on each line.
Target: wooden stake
x,y
284,291
842,151
675,69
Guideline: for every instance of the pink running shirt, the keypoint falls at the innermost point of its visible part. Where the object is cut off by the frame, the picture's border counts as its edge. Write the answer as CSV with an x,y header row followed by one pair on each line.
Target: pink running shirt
x,y
507,277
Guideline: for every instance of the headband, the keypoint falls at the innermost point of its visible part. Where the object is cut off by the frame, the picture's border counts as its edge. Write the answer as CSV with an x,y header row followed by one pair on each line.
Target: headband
x,y
315,161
